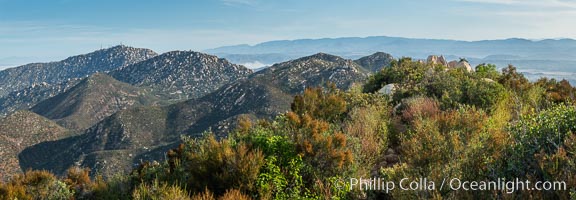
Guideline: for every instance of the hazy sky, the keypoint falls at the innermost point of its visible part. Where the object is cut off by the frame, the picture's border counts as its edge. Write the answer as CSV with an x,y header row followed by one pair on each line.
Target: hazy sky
x,y
46,30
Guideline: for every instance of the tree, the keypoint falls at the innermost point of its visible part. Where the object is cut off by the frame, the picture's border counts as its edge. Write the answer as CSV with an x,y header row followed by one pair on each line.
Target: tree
x,y
487,71
513,80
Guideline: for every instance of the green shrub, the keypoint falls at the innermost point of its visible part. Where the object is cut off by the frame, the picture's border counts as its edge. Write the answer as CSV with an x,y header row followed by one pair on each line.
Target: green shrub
x,y
544,131
116,187
368,135
487,71
482,93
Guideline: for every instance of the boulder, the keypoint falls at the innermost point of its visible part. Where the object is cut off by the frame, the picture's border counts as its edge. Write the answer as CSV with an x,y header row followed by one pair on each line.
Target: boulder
x,y
488,80
435,60
452,64
443,61
464,64
388,89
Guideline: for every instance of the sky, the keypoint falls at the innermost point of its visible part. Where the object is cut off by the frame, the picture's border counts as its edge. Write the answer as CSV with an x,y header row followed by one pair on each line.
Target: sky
x,y
51,30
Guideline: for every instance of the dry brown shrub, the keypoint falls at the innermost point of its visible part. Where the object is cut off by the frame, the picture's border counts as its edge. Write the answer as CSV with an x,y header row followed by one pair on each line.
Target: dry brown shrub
x,y
420,107
234,195
206,195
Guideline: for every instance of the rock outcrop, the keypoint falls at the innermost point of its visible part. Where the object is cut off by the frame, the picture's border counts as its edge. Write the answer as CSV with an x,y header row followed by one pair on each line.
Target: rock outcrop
x,y
388,89
437,60
452,64
464,64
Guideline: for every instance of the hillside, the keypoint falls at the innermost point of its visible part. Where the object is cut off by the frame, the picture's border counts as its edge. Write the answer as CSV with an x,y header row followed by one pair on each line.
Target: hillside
x,y
245,97
92,100
26,98
295,75
19,131
185,74
106,147
118,142
104,60
147,132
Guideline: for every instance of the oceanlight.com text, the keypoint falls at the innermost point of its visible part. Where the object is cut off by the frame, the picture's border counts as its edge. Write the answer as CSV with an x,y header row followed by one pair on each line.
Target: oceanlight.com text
x,y
419,184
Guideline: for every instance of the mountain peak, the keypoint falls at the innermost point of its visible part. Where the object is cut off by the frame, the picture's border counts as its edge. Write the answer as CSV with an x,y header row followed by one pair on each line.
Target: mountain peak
x,y
79,66
380,54
91,100
324,56
192,74
295,75
118,47
376,61
99,80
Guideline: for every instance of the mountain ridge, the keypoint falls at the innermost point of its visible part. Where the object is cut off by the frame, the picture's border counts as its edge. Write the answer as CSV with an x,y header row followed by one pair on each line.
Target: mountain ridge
x,y
78,66
26,98
94,98
314,70
354,47
190,73
146,132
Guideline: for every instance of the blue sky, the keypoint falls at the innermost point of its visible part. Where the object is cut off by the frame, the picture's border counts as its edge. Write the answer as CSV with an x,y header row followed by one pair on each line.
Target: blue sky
x,y
48,30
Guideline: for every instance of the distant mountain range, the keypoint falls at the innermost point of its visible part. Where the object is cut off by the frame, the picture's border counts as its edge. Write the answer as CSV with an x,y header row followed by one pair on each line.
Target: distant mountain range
x,y
551,57
515,48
